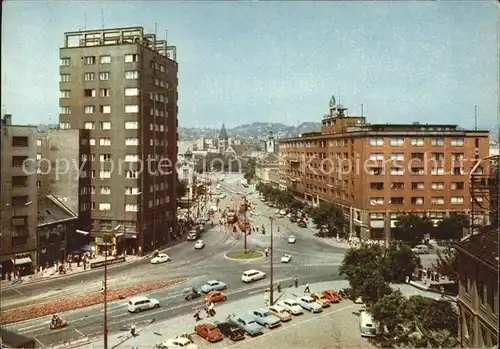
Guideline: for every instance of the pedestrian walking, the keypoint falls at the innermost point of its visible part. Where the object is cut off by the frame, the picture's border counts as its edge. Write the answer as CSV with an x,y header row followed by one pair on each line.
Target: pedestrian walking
x,y
266,299
132,330
266,251
296,282
307,290
279,287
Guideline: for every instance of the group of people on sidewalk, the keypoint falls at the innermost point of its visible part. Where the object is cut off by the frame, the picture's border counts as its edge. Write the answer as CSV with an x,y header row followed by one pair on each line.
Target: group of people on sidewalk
x,y
209,310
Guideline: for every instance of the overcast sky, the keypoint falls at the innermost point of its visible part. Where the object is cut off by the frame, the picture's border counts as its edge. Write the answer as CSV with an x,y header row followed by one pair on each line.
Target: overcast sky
x,y
241,62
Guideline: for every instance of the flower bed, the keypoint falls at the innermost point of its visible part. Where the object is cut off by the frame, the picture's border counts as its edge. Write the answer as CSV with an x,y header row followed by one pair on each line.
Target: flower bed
x,y
65,304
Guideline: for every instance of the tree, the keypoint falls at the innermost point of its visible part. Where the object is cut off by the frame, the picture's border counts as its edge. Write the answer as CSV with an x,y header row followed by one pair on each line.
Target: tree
x,y
389,313
400,262
181,189
249,170
447,263
452,227
330,220
296,205
412,228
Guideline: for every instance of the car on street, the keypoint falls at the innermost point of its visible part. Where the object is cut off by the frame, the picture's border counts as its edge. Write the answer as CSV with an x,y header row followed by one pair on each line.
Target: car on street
x,y
161,258
321,299
199,245
222,196
302,224
252,275
332,295
215,296
179,342
209,332
192,236
420,249
213,285
286,258
140,303
292,239
265,318
292,219
230,330
247,323
280,312
309,304
292,306
282,212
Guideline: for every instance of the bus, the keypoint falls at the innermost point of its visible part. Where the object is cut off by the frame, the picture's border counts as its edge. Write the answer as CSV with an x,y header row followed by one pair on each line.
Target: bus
x,y
367,326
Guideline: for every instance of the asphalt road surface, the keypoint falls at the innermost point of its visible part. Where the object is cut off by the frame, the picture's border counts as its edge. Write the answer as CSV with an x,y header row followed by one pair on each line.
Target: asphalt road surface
x,y
312,261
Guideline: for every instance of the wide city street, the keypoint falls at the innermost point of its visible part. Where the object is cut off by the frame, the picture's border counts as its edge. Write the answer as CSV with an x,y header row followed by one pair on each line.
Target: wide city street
x,y
313,260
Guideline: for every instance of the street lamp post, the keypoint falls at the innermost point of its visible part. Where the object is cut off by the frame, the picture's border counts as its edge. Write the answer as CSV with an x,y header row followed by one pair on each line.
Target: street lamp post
x,y
107,237
271,274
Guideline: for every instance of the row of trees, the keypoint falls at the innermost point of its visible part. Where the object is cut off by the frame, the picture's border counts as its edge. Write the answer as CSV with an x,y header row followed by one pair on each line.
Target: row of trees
x,y
402,322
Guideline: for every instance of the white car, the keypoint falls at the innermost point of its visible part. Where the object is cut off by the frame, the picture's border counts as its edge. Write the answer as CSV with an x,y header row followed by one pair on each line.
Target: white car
x,y
199,244
286,258
292,306
137,304
222,196
179,342
310,304
161,258
292,239
252,275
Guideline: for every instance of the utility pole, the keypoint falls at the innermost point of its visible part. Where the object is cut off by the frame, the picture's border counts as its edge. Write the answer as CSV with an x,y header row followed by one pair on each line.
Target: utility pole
x,y
245,215
105,290
271,274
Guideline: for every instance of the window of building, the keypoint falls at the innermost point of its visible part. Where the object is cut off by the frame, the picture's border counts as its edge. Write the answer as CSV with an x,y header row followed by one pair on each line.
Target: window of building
x,y
38,142
104,157
397,156
131,108
397,142
437,200
376,156
131,58
397,200
104,174
131,91
132,141
376,201
457,142
457,200
131,191
105,141
131,174
437,171
377,142
131,208
437,156
65,77
64,110
397,186
458,171
65,61
131,158
89,76
105,190
397,171
104,206
437,186
417,171
162,68
105,125
64,93
89,109
89,92
417,185
376,171
417,200
89,125
131,74
65,125
417,142
131,125
89,60
38,184
92,141
162,128
103,76
92,174
104,92
105,59
437,141
105,109
377,186
457,186
457,156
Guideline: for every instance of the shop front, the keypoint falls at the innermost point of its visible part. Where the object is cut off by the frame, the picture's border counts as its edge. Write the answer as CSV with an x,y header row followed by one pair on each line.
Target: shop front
x,y
17,265
109,243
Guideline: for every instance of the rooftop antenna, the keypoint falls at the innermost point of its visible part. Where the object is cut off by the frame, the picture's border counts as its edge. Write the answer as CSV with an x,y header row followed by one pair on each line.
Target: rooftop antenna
x,y
362,110
475,117
102,17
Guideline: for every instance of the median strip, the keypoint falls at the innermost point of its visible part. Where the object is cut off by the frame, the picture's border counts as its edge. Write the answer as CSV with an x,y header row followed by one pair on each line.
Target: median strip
x,y
65,304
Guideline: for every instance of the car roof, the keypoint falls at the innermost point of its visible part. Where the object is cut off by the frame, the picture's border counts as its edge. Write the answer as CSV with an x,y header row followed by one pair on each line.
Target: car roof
x,y
212,281
307,297
208,325
247,317
290,300
277,307
262,310
138,298
252,271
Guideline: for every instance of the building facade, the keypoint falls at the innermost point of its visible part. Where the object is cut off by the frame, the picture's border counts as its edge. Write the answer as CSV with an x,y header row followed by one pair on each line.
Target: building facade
x,y
121,85
478,288
19,242
267,169
378,172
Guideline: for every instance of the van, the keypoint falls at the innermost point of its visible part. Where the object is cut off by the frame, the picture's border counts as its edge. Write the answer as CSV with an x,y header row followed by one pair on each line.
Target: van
x,y
420,249
137,304
367,326
252,275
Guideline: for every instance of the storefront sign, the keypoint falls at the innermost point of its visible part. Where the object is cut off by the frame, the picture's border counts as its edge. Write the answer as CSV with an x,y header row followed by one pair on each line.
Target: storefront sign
x,y
108,262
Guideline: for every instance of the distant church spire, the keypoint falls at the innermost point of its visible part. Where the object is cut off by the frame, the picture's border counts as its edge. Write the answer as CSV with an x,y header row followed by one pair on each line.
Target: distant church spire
x,y
223,132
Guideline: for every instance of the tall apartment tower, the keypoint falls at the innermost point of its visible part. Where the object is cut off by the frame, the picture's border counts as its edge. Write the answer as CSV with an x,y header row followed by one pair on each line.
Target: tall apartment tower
x,y
18,233
121,85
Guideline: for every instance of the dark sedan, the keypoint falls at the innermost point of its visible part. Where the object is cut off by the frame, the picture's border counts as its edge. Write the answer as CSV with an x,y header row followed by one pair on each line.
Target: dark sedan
x,y
231,331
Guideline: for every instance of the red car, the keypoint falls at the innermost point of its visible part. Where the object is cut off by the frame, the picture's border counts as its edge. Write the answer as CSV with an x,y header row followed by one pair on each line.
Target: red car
x,y
333,296
215,296
210,332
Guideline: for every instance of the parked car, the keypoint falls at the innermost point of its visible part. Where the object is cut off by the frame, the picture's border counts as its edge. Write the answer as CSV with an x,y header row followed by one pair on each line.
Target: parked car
x,y
292,239
140,303
209,332
333,296
292,219
420,249
265,318
286,258
280,312
230,330
302,224
309,304
321,299
215,296
192,236
179,342
213,285
252,275
199,244
292,306
161,258
247,323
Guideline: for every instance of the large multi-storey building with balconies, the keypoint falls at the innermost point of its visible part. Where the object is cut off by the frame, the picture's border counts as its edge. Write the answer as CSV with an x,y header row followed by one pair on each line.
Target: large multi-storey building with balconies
x,y
121,85
19,243
378,172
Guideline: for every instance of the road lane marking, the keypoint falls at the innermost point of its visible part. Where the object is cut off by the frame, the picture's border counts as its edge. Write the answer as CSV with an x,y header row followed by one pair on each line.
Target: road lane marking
x,y
76,329
39,342
255,292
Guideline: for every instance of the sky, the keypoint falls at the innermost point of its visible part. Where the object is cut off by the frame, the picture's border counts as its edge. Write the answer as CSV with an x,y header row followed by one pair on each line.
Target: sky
x,y
240,62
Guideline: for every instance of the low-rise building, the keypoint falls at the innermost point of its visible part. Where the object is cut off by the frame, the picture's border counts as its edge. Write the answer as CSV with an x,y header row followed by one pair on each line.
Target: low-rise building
x,y
478,288
267,169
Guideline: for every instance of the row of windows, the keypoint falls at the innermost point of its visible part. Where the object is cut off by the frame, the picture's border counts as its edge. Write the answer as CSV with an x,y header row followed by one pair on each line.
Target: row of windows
x,y
377,142
106,109
418,200
415,171
396,215
105,206
106,141
106,190
103,76
415,156
417,185
129,125
107,59
106,92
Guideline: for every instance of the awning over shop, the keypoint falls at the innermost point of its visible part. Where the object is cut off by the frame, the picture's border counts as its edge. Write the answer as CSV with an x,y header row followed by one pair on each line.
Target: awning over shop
x,y
21,261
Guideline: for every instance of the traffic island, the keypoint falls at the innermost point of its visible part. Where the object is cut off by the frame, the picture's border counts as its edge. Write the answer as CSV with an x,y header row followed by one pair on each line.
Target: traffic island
x,y
240,254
